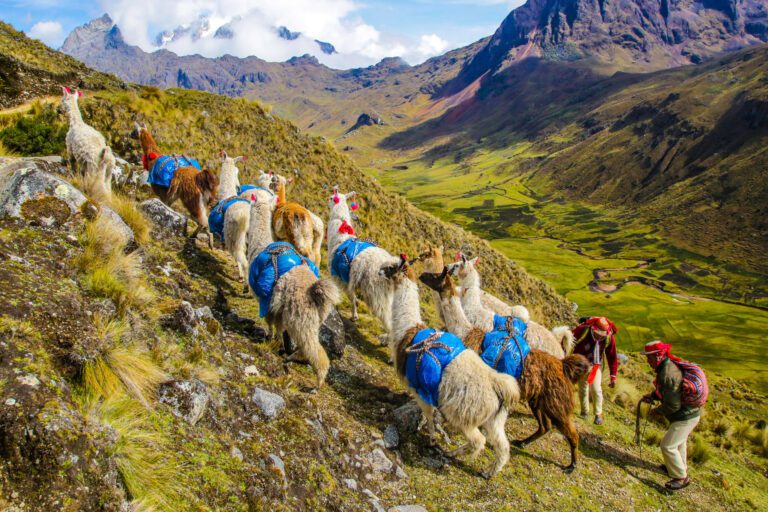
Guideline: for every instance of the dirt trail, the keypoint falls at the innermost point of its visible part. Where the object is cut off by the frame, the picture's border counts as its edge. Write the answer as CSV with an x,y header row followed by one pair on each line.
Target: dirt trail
x,y
25,106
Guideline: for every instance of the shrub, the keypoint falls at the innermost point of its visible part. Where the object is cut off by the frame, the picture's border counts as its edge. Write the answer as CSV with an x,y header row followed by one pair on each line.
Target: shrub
x,y
699,450
38,134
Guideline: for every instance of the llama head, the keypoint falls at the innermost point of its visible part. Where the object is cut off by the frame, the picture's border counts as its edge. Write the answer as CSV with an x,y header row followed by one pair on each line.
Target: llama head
x,y
441,282
229,164
464,268
399,272
68,100
338,204
432,256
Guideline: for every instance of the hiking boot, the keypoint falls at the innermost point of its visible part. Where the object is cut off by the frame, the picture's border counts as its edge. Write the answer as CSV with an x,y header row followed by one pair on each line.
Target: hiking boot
x,y
678,483
599,419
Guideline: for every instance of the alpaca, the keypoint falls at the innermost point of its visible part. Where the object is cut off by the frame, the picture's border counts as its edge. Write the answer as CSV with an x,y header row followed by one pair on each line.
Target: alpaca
x,y
433,262
469,394
356,263
291,296
86,147
557,342
293,223
546,382
179,177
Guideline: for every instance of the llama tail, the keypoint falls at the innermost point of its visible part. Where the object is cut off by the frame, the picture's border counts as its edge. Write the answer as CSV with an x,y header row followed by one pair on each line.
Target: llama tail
x,y
565,337
308,343
324,294
522,313
575,367
301,229
506,388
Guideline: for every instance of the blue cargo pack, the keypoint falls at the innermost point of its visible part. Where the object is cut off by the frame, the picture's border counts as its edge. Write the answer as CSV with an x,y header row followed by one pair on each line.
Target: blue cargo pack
x,y
165,167
508,323
269,266
506,351
427,356
216,217
341,264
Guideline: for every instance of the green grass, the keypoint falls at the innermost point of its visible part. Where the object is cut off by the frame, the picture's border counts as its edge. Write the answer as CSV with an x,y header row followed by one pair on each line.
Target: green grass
x,y
529,229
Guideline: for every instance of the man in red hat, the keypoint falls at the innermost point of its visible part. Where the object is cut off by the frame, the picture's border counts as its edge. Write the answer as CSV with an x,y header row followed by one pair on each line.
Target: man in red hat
x,y
682,418
596,336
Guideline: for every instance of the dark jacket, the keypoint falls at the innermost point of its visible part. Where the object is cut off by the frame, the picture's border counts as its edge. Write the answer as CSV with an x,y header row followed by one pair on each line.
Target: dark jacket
x,y
669,382
585,345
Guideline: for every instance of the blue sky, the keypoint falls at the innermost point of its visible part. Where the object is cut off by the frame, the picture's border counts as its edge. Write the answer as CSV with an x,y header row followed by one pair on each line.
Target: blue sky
x,y
362,30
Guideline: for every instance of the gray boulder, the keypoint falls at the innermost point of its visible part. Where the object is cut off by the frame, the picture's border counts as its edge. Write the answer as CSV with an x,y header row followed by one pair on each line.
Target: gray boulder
x,y
164,218
270,404
408,508
333,336
187,399
391,437
29,190
407,417
379,461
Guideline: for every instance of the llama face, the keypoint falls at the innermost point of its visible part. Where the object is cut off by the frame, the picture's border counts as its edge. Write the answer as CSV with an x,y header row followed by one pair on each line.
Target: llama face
x,y
68,100
463,267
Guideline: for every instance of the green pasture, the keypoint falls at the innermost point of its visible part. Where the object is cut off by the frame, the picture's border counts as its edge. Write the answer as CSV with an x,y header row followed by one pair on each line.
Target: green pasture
x,y
563,242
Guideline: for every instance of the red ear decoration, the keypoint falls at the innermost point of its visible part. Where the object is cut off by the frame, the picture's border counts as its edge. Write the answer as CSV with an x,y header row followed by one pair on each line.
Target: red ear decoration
x,y
458,256
253,197
277,201
336,200
245,158
403,256
68,90
79,94
354,206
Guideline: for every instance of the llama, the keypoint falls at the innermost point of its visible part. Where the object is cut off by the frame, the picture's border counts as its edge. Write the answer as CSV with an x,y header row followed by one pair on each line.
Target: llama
x,y
173,177
293,223
230,218
291,296
558,342
546,382
467,392
87,148
356,263
262,189
433,262
271,180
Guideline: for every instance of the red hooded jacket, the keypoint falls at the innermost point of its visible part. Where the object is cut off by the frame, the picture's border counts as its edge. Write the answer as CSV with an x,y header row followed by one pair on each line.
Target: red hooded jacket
x,y
586,343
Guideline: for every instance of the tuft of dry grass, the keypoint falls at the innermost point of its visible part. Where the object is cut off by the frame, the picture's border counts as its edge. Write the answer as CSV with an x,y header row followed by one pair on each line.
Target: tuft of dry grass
x,y
123,368
699,451
150,470
625,394
109,272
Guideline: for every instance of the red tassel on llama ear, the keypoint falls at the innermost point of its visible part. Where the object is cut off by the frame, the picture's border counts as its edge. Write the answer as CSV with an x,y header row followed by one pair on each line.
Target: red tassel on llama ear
x,y
277,200
354,206
67,90
79,94
253,197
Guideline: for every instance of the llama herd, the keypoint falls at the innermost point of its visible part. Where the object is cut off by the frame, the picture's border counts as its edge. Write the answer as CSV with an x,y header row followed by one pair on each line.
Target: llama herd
x,y
487,356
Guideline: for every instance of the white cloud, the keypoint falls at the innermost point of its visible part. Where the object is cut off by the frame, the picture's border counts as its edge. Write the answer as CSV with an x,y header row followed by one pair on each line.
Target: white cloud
x,y
49,32
254,21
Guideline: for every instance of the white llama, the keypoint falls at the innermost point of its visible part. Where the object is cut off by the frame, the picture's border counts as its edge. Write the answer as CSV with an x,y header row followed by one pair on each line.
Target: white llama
x,y
87,149
357,263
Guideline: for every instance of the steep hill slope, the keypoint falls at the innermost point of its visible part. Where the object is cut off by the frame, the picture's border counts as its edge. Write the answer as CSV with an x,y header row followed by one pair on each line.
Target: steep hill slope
x,y
98,353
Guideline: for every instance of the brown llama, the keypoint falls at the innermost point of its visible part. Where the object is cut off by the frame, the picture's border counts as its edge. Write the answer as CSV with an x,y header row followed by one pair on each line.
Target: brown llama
x,y
293,223
546,382
196,188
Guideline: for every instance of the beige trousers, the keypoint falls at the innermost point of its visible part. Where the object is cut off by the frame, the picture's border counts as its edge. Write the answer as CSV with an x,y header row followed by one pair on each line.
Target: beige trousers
x,y
595,390
674,447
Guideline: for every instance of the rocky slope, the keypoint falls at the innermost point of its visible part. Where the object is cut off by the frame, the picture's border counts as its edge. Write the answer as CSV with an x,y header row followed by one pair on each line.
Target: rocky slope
x,y
134,377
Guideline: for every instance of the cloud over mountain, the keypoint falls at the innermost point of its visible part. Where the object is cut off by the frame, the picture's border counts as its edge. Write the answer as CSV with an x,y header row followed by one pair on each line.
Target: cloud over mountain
x,y
256,27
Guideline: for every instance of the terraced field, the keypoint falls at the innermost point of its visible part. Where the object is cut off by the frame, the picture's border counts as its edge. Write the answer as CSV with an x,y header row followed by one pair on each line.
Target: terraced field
x,y
605,261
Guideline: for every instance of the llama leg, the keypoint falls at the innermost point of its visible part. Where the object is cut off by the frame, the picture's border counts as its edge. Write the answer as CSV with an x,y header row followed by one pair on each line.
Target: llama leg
x,y
296,357
307,340
475,443
497,438
428,419
353,300
544,426
571,435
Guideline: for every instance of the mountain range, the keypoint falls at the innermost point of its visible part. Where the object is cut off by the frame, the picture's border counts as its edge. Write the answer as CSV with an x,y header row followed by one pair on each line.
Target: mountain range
x,y
585,82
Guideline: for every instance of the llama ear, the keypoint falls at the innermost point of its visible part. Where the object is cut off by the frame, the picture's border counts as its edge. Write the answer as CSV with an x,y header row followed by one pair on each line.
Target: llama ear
x,y
239,159
65,91
475,261
253,198
444,273
335,189
351,195
79,93
223,154
144,126
137,126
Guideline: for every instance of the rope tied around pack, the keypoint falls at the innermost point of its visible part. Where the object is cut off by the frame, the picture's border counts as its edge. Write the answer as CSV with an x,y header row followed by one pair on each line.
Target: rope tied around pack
x,y
425,346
